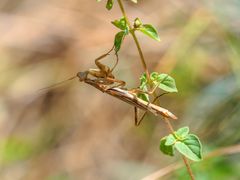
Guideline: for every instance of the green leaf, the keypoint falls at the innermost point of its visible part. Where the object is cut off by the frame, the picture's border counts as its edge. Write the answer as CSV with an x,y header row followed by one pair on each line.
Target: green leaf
x,y
118,40
143,96
143,78
98,0
190,147
137,23
109,4
143,81
143,86
150,31
154,76
166,83
182,132
121,23
170,140
162,81
168,150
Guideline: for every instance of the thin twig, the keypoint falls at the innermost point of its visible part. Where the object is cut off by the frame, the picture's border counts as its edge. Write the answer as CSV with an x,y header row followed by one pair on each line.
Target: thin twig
x,y
175,166
222,151
164,171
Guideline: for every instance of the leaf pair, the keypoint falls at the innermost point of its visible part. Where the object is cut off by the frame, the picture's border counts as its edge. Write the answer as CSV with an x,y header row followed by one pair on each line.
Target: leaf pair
x,y
187,144
161,81
146,29
119,37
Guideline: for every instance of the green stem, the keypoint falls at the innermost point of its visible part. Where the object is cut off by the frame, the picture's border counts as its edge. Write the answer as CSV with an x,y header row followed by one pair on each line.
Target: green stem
x,y
135,40
148,76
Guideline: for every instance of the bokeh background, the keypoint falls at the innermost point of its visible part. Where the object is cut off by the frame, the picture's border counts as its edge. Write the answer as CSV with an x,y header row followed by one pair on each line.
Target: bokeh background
x,y
76,132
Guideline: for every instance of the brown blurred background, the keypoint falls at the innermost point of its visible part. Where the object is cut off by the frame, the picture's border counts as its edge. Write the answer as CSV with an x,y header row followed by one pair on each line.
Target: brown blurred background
x,y
76,132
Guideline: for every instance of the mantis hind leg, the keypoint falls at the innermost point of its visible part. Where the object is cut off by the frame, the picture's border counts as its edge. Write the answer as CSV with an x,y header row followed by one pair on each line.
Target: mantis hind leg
x,y
138,122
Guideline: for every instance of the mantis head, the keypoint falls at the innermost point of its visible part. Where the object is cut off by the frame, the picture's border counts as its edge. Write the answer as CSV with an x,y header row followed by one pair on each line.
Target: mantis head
x,y
82,75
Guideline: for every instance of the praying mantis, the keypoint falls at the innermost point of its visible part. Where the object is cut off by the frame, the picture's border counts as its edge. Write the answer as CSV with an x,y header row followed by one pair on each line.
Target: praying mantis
x,y
104,80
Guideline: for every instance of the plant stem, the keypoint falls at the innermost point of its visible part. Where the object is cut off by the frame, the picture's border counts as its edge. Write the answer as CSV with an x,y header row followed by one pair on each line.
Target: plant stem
x,y
188,167
135,39
148,76
170,128
183,157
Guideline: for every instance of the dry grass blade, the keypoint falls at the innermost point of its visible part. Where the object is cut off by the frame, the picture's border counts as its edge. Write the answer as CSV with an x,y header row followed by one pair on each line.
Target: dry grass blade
x,y
234,149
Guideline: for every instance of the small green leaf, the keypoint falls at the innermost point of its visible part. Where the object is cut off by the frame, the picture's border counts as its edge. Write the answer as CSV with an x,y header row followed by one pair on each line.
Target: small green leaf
x,y
118,40
143,86
170,140
143,78
168,150
109,4
182,132
143,96
150,31
98,0
121,23
167,83
137,23
164,82
190,147
154,76
143,81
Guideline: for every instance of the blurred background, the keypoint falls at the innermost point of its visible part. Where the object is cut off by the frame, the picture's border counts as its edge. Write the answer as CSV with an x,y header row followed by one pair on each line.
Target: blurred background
x,y
75,131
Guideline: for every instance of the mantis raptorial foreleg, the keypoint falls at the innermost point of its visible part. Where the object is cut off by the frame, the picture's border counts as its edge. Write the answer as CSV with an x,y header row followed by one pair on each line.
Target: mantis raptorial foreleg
x,y
103,74
103,71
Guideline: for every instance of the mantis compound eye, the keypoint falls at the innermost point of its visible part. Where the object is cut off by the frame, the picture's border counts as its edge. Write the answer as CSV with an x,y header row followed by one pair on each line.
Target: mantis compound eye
x,y
82,75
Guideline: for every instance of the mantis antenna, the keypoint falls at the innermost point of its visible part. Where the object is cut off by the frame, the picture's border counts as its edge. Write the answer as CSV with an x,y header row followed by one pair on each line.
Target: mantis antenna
x,y
57,84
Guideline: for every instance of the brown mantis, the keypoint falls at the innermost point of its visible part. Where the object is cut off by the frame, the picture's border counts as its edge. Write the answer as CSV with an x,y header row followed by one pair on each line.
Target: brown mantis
x,y
104,80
